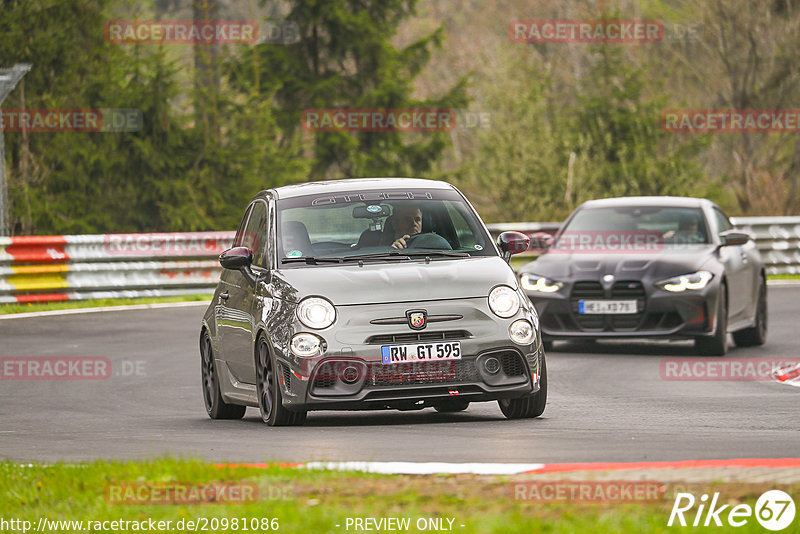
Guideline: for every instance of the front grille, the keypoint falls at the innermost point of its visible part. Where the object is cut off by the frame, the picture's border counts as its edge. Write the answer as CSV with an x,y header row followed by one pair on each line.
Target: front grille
x,y
404,374
512,364
587,290
411,337
628,290
325,376
621,290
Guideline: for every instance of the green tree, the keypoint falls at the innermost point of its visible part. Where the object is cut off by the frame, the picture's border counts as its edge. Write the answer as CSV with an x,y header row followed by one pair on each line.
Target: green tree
x,y
345,58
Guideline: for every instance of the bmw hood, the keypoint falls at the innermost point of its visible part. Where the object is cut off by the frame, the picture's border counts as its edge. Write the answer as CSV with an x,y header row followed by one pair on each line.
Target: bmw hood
x,y
397,281
665,263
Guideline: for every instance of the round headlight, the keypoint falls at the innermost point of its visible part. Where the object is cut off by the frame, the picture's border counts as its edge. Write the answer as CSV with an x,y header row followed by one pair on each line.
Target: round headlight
x,y
305,345
521,332
503,301
316,312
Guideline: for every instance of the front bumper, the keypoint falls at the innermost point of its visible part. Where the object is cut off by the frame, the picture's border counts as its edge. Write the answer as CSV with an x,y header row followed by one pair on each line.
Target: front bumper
x,y
350,375
660,314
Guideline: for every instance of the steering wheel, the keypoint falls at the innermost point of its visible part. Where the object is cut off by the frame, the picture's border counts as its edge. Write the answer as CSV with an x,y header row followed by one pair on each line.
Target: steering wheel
x,y
428,240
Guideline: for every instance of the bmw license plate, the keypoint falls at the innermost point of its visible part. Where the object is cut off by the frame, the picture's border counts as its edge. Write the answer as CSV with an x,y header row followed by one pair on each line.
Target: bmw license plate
x,y
420,352
606,306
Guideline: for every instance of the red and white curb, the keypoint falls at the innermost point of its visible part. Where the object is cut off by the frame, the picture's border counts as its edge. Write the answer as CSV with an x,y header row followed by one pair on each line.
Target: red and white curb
x,y
432,468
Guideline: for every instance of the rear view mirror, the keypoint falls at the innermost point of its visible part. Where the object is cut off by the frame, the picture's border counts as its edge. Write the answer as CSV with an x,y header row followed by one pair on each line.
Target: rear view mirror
x,y
511,243
372,211
733,237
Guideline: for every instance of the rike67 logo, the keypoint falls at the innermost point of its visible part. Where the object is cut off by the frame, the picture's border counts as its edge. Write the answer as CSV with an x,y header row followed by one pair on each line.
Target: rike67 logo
x,y
774,510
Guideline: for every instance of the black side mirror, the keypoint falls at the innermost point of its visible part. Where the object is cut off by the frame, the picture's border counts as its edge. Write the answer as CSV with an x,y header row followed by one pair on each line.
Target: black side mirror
x,y
733,237
511,243
236,258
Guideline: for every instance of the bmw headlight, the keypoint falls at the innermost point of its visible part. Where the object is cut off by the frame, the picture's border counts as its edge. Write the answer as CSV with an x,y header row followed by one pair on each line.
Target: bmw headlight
x,y
316,313
503,301
305,345
678,284
521,332
534,282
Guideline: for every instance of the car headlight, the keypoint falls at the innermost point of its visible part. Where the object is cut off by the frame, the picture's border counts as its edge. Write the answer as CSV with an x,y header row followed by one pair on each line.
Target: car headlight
x,y
677,284
521,332
534,282
503,301
305,345
316,313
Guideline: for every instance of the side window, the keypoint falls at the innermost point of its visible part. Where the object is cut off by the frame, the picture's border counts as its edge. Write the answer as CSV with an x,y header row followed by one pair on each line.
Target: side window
x,y
255,234
237,241
722,221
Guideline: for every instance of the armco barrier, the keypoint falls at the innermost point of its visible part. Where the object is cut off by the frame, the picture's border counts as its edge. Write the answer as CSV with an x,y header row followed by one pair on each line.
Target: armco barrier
x,y
47,268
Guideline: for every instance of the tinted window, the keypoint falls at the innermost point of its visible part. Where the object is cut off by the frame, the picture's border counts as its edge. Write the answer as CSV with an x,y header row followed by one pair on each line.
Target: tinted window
x,y
237,241
356,223
670,225
722,221
255,235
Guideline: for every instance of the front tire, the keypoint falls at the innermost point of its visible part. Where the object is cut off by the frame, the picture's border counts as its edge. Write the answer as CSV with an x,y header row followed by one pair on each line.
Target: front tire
x,y
527,407
215,406
716,345
756,334
270,400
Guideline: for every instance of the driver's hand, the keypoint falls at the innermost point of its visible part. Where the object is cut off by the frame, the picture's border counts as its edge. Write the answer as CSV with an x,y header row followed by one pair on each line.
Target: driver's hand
x,y
401,242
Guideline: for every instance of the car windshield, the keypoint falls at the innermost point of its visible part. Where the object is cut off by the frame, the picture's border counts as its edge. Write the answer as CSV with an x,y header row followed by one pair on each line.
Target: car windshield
x,y
634,226
352,226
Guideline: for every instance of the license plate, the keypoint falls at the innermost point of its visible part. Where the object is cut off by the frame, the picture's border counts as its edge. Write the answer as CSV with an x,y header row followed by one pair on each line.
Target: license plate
x,y
420,352
606,306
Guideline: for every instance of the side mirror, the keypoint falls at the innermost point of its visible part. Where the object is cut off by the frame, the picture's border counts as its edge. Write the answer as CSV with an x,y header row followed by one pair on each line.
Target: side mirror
x,y
511,243
236,258
733,237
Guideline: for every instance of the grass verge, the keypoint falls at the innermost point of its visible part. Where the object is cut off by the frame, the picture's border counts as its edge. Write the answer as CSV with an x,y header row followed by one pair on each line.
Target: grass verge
x,y
95,303
302,500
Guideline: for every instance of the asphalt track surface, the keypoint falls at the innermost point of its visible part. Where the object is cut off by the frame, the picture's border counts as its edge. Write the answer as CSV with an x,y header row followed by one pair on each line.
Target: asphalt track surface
x,y
607,402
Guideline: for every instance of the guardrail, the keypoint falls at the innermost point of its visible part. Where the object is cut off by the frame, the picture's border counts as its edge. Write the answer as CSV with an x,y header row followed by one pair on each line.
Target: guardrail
x,y
78,267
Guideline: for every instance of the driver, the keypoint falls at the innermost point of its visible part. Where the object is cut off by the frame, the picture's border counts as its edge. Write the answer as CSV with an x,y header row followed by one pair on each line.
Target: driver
x,y
687,230
406,221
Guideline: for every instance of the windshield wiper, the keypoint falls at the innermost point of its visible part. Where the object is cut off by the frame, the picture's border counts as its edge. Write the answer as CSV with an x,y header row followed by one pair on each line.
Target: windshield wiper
x,y
311,260
379,256
447,253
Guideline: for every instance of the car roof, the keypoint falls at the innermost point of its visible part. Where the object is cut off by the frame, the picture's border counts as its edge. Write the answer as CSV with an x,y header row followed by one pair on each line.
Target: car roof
x,y
677,202
356,184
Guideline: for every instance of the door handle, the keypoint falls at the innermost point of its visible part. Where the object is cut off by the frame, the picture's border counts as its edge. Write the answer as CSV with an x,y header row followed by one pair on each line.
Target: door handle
x,y
223,296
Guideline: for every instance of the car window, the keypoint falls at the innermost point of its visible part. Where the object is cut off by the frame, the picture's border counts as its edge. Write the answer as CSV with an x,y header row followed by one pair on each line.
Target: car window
x,y
353,223
723,223
666,224
237,241
255,234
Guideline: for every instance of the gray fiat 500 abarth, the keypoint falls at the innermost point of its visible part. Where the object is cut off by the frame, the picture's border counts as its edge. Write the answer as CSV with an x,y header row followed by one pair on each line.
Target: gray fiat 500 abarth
x,y
369,294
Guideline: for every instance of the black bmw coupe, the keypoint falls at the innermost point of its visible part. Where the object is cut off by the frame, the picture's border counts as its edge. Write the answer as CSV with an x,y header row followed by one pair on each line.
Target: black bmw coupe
x,y
650,267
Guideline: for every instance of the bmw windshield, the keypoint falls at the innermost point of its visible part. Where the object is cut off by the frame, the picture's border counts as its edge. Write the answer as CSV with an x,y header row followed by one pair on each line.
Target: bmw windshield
x,y
390,225
632,229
